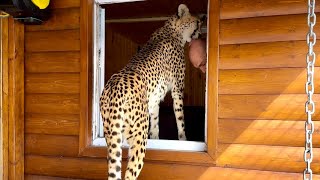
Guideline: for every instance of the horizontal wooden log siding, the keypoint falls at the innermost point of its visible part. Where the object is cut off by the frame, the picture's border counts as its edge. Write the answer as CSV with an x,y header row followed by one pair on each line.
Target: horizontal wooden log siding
x,y
265,81
53,62
37,177
58,124
265,132
261,86
264,29
275,107
270,158
261,101
52,86
90,168
55,40
231,9
265,55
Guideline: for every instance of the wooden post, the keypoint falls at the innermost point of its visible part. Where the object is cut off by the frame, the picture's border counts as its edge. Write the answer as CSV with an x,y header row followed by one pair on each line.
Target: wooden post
x,y
12,103
213,61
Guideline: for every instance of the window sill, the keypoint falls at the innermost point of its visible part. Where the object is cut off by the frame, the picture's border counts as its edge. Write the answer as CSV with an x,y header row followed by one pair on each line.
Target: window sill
x,y
166,156
161,144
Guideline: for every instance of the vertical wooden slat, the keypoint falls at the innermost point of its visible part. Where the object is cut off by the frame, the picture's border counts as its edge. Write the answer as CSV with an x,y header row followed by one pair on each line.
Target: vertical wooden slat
x,y
16,100
4,98
86,9
212,94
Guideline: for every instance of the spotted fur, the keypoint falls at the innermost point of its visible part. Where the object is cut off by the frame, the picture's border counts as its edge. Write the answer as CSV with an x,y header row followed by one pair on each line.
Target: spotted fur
x,y
132,96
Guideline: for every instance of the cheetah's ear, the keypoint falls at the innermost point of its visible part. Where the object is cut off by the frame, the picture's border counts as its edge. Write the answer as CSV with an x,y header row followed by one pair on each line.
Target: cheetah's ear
x,y
183,10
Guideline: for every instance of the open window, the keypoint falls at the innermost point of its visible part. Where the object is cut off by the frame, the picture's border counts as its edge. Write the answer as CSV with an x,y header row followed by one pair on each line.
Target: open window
x,y
119,30
117,37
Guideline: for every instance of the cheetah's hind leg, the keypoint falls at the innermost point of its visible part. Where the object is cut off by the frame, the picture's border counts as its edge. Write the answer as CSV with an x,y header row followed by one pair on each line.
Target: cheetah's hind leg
x,y
137,143
112,131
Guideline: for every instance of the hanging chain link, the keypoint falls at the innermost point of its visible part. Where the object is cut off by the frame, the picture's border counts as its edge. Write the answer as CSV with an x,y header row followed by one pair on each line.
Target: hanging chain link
x,y
310,106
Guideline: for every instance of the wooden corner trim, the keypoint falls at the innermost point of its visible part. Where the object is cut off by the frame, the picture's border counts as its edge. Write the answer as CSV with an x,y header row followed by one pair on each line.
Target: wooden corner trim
x,y
13,99
213,73
86,9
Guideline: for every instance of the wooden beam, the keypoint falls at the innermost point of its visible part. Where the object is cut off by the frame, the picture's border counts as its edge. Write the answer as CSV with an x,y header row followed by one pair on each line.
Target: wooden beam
x,y
86,46
276,107
265,81
87,168
231,9
277,54
52,103
52,62
91,168
68,83
264,29
212,77
37,177
52,145
15,100
58,124
266,158
265,132
4,78
49,41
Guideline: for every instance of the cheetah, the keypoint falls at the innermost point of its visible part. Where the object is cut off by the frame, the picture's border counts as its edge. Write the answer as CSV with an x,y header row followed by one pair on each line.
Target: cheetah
x,y
131,97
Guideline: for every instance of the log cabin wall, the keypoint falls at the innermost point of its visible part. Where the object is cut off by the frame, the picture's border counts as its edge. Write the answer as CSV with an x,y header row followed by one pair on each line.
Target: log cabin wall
x,y
261,97
262,79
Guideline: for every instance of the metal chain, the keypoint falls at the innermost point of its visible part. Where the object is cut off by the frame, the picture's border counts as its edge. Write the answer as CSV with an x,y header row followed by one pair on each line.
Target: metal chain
x,y
310,105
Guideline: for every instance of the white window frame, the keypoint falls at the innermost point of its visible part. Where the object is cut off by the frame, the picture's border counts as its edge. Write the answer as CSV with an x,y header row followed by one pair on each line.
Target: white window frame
x,y
98,85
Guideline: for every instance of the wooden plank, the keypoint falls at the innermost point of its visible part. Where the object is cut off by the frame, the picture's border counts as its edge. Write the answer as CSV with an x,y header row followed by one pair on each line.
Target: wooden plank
x,y
3,127
266,132
96,169
89,168
61,19
52,103
153,171
231,9
264,29
213,59
16,99
52,62
63,40
281,107
52,145
58,124
64,4
86,18
265,81
269,158
277,54
53,83
36,177
4,97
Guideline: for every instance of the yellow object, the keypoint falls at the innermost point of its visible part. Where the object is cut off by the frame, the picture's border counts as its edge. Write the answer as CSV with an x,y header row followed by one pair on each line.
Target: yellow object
x,y
3,14
42,4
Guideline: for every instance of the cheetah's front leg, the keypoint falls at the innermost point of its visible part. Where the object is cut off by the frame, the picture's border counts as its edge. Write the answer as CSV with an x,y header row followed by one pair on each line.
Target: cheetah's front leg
x,y
154,119
177,96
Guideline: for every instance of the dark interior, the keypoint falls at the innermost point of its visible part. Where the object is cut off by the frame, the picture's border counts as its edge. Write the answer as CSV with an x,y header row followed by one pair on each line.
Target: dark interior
x,y
194,117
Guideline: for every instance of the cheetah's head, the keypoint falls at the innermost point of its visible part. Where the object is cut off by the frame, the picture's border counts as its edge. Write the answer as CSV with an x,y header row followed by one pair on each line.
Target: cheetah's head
x,y
189,26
